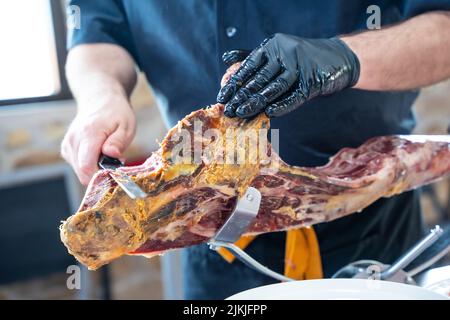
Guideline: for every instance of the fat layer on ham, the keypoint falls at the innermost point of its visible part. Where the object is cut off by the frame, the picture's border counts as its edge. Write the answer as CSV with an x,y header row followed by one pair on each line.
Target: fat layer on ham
x,y
189,201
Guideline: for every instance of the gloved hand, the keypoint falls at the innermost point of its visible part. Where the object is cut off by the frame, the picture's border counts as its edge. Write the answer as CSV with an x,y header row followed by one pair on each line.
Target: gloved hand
x,y
285,71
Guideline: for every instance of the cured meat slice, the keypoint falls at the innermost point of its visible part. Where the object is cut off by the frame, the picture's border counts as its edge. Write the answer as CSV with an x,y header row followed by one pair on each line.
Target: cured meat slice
x,y
189,200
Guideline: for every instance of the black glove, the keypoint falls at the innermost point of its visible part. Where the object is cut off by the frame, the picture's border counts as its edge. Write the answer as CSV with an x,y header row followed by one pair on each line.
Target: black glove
x,y
285,71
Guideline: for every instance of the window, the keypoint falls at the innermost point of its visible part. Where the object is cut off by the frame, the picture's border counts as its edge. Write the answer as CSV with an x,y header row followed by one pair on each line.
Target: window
x,y
32,51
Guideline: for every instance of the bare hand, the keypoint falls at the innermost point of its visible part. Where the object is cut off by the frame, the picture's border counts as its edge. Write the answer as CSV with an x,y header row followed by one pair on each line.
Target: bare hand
x,y
108,127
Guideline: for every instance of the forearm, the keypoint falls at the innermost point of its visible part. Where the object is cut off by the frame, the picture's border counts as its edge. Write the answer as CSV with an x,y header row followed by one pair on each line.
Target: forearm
x,y
409,55
100,71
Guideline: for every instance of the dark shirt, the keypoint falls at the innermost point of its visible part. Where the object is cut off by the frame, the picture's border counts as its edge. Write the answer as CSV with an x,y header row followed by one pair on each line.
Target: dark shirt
x,y
178,44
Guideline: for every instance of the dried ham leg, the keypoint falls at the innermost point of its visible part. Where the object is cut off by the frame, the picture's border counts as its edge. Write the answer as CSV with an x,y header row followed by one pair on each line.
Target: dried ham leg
x,y
188,202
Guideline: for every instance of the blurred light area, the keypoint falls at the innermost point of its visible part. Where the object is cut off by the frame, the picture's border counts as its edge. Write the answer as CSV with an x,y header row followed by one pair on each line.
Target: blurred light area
x,y
28,58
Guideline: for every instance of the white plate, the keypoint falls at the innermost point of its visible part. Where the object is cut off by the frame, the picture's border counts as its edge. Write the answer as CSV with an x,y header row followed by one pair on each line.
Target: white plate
x,y
338,289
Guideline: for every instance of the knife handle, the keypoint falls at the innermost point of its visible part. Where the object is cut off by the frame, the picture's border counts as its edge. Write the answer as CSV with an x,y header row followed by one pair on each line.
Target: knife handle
x,y
107,162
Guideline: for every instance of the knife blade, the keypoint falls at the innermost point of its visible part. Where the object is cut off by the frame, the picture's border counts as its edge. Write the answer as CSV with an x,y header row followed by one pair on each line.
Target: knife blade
x,y
124,181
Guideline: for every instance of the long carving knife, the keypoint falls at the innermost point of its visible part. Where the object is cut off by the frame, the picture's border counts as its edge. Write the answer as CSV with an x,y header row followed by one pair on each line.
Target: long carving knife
x,y
124,181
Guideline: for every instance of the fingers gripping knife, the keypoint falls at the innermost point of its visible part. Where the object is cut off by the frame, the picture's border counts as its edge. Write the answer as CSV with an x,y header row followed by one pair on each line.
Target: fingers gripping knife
x,y
243,215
